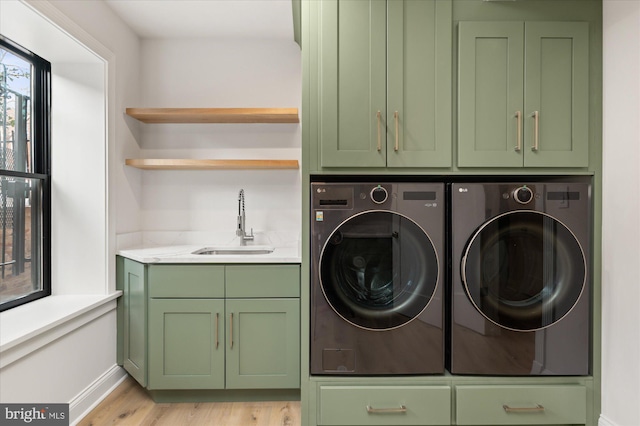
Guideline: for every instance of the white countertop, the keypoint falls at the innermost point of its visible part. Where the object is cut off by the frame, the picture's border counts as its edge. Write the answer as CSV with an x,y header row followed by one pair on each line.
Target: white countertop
x,y
180,248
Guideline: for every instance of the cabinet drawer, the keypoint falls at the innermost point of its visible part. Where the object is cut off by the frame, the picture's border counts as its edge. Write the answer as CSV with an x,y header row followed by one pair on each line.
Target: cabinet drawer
x,y
384,405
186,281
521,405
263,281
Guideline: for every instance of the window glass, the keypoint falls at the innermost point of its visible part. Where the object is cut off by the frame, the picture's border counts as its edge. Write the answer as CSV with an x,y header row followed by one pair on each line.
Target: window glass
x,y
24,176
20,236
16,135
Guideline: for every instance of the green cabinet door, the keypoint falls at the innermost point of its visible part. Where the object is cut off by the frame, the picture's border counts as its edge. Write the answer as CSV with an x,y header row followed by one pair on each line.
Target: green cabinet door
x,y
385,83
186,344
352,83
263,343
557,91
134,328
523,94
418,83
490,94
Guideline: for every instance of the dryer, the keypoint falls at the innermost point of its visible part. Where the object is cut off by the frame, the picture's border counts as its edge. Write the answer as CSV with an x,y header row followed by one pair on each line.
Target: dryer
x,y
521,283
377,258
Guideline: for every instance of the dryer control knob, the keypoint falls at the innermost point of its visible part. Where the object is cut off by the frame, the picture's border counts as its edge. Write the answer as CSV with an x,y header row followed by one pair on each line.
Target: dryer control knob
x,y
523,195
379,195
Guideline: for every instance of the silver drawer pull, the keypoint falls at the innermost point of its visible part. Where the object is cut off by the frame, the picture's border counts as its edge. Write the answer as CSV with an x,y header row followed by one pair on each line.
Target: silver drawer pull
x,y
537,409
400,409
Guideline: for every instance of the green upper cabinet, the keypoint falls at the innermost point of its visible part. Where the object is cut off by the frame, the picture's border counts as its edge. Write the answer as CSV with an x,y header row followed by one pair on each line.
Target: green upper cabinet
x,y
557,88
385,83
523,94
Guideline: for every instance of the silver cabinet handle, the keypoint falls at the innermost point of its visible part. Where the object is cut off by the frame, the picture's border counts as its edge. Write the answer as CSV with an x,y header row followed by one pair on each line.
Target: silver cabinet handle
x,y
396,147
536,130
519,131
400,409
217,322
231,331
378,115
537,409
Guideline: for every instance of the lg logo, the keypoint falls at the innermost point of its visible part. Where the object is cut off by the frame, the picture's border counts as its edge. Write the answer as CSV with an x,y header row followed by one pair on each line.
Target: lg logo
x,y
463,190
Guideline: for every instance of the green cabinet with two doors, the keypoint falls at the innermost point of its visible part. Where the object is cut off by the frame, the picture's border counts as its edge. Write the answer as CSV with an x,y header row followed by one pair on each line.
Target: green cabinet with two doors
x,y
523,94
385,83
212,326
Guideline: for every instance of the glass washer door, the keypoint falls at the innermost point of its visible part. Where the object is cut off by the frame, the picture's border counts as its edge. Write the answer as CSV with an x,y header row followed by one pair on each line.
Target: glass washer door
x,y
378,270
524,270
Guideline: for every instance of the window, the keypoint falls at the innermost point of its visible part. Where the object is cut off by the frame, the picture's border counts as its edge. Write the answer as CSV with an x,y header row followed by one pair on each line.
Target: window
x,y
25,213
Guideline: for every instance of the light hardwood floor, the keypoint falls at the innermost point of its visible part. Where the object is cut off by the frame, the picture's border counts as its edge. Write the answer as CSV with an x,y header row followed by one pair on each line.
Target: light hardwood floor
x,y
129,405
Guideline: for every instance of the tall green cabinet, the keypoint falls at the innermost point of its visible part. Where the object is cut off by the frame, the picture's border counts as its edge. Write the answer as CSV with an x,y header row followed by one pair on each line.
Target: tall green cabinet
x,y
523,94
385,83
518,86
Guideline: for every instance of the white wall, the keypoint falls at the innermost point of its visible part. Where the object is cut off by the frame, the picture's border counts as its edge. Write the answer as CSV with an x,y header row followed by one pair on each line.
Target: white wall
x,y
216,73
97,19
78,179
621,215
60,371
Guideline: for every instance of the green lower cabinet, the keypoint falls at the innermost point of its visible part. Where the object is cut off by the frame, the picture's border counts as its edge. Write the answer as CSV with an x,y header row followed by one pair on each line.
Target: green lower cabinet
x,y
210,327
521,405
384,405
263,345
133,282
186,344
224,344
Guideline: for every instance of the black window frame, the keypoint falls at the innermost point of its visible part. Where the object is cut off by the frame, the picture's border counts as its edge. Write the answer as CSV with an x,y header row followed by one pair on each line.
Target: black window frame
x,y
41,162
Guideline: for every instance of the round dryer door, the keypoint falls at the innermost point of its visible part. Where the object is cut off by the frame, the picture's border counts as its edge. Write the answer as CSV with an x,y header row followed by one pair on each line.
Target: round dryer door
x,y
524,270
378,270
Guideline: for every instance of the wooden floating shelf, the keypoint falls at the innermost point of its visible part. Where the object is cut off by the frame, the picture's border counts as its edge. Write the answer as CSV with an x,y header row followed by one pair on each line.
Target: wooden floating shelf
x,y
188,164
215,115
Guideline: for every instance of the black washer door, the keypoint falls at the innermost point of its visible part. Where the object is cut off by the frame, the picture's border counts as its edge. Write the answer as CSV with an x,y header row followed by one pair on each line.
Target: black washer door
x,y
524,270
378,270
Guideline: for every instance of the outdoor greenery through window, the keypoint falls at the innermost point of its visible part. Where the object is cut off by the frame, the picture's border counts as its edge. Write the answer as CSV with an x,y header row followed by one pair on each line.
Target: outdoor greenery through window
x,y
24,176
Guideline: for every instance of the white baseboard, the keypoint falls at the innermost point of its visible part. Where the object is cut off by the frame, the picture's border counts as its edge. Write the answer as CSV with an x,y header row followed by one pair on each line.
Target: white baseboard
x,y
603,421
88,399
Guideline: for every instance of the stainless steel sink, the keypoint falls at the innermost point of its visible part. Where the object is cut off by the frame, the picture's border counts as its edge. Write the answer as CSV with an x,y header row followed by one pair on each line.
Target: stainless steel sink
x,y
240,251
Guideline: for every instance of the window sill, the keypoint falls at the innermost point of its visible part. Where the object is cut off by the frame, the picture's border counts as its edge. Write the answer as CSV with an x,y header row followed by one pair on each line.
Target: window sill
x,y
29,327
